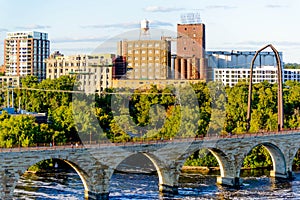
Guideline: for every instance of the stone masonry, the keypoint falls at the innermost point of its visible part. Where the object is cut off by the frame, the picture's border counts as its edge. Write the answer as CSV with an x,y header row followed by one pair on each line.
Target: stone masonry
x,y
95,164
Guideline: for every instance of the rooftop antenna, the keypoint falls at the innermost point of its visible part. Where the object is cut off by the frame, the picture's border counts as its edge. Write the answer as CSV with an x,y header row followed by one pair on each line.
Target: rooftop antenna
x,y
191,18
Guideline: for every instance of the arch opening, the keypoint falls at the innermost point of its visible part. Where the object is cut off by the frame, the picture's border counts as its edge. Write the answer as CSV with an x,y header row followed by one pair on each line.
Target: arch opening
x,y
264,160
51,177
204,161
214,165
134,177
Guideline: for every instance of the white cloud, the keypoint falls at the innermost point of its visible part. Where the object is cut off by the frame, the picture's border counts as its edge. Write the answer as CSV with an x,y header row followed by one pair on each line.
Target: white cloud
x,y
78,39
131,25
33,26
3,29
220,7
162,9
275,6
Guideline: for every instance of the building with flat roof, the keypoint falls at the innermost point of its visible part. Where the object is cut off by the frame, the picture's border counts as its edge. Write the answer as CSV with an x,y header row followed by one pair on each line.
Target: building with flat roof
x,y
93,71
238,60
190,57
25,53
146,59
231,76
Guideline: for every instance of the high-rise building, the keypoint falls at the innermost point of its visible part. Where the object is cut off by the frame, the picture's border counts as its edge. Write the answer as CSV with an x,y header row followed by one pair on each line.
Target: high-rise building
x,y
190,60
25,52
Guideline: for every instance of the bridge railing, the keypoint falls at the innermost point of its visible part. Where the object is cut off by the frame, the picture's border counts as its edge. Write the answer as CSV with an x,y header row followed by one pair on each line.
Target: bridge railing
x,y
102,143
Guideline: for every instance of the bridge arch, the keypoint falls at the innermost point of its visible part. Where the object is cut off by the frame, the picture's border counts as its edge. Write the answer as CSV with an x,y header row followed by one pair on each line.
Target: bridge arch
x,y
220,156
228,172
277,157
80,172
159,166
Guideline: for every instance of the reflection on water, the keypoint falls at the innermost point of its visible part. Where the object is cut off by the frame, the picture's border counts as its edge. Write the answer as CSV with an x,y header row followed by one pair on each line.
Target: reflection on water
x,y
67,185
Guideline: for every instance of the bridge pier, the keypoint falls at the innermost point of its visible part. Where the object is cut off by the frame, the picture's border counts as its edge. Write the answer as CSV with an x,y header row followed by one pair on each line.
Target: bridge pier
x,y
167,189
8,182
275,174
230,181
89,195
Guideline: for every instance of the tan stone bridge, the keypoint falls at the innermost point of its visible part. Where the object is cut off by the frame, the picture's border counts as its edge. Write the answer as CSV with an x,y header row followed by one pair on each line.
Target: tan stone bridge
x,y
95,164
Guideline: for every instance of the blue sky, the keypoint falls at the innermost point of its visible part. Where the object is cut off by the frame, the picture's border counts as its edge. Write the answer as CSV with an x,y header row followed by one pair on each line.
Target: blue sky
x,y
78,26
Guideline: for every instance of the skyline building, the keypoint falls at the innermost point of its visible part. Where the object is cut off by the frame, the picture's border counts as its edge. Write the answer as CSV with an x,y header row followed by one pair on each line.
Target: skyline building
x,y
190,59
231,76
146,59
236,60
93,71
25,52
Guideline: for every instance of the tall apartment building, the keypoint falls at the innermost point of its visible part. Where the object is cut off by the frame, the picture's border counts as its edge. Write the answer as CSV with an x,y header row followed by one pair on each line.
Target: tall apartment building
x,y
94,71
190,61
25,52
146,59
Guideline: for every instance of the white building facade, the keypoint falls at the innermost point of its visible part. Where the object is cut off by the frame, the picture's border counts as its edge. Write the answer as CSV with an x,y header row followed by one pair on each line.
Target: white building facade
x,y
238,60
231,76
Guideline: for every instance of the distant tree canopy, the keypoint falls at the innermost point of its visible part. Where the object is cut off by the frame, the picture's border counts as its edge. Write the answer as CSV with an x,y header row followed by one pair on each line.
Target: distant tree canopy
x,y
292,66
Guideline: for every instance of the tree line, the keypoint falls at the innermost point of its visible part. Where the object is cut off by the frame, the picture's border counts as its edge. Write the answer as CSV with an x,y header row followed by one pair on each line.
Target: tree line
x,y
120,115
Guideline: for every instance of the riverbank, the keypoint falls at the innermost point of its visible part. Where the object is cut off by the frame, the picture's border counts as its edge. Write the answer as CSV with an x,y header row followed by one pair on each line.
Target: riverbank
x,y
199,169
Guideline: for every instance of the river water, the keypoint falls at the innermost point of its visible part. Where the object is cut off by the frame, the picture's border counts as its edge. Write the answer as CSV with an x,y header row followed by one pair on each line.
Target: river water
x,y
66,184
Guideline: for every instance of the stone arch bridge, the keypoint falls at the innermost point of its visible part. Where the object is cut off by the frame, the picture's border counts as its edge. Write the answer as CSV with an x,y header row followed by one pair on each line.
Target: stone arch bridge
x,y
95,164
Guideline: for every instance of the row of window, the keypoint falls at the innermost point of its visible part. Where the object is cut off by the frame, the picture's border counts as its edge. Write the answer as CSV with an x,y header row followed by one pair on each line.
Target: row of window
x,y
145,58
144,45
150,51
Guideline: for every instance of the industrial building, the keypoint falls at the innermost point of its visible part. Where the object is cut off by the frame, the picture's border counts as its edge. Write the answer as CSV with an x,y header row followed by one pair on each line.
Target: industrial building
x,y
146,59
93,71
25,52
237,60
190,61
231,76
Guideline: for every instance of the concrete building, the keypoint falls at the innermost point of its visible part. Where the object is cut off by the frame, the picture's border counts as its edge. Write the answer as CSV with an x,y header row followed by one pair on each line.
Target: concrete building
x,y
237,60
146,59
94,71
25,52
230,76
